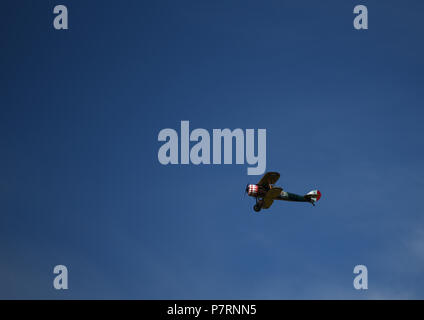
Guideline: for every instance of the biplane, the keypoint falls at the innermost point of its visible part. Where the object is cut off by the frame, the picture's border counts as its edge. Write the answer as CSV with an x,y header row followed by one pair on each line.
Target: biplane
x,y
265,193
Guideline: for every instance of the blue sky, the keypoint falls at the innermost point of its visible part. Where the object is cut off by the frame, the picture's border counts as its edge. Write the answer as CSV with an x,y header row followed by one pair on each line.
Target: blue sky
x,y
81,185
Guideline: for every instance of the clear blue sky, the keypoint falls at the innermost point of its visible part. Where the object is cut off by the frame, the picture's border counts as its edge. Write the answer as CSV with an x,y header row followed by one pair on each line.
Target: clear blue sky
x,y
81,185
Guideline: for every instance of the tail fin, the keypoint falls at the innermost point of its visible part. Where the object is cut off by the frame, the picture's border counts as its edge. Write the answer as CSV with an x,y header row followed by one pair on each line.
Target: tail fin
x,y
313,196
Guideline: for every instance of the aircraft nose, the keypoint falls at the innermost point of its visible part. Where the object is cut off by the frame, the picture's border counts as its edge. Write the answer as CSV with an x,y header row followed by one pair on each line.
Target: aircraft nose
x,y
252,189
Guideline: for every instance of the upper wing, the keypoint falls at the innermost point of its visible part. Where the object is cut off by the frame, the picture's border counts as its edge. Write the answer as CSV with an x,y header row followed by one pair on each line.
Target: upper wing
x,y
269,178
270,196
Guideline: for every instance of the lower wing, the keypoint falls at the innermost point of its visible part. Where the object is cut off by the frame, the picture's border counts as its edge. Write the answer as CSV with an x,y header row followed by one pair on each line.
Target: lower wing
x,y
270,196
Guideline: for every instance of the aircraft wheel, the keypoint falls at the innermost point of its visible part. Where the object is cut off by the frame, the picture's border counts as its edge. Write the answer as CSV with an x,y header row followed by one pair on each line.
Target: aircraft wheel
x,y
257,208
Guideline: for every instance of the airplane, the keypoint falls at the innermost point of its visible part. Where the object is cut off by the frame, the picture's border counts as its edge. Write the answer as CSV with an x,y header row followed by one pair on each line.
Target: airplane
x,y
265,192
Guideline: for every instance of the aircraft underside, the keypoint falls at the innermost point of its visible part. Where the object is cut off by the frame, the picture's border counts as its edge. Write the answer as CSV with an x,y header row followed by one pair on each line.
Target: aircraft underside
x,y
287,196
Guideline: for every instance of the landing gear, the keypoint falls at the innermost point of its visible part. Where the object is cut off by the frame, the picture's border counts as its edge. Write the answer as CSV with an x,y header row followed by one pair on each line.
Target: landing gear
x,y
258,206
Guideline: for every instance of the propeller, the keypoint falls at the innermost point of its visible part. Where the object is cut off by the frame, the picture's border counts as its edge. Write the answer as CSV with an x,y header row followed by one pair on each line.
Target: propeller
x,y
247,189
